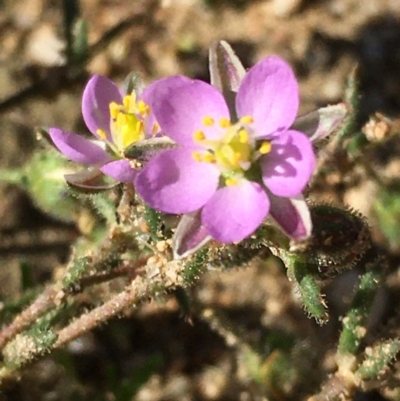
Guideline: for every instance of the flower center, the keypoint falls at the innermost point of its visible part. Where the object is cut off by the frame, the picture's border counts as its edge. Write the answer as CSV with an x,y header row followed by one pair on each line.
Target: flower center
x,y
126,123
234,152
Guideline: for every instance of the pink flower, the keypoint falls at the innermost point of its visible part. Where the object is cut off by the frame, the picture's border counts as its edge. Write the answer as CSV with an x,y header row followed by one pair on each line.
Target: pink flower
x,y
116,121
234,167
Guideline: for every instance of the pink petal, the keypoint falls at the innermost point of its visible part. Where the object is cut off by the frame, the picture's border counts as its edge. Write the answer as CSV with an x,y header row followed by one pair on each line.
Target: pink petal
x,y
149,94
97,96
77,148
181,105
287,169
293,216
173,182
120,170
269,93
235,212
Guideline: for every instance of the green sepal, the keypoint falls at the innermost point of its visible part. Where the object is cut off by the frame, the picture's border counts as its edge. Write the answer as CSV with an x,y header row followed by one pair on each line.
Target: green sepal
x,y
154,222
43,178
195,266
352,97
340,238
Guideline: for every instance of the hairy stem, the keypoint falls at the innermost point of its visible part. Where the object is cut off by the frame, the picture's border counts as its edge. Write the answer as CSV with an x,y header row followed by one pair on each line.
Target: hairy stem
x,y
90,320
44,302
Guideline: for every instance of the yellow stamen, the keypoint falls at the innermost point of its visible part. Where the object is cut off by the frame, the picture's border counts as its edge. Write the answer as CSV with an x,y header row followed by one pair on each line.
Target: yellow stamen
x,y
139,127
231,182
155,129
114,110
209,158
131,132
247,120
199,136
125,136
224,123
233,152
101,134
208,121
197,156
143,108
236,158
128,101
127,124
265,147
243,136
121,120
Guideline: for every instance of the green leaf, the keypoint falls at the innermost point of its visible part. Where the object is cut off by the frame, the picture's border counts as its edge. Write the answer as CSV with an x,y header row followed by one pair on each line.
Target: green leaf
x,y
355,321
378,358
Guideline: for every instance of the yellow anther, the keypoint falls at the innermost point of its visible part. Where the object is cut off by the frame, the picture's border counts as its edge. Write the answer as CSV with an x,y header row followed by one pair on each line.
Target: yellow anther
x,y
236,158
224,151
265,147
199,136
155,129
139,127
128,101
143,108
208,121
247,120
243,136
101,134
229,182
114,110
209,158
224,123
197,156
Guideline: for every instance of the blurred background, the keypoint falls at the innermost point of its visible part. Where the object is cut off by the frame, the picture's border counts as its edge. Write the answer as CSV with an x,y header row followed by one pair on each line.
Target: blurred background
x,y
156,353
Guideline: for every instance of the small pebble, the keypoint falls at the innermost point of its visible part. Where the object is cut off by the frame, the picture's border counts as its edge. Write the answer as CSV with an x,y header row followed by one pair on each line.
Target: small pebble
x,y
285,8
45,47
